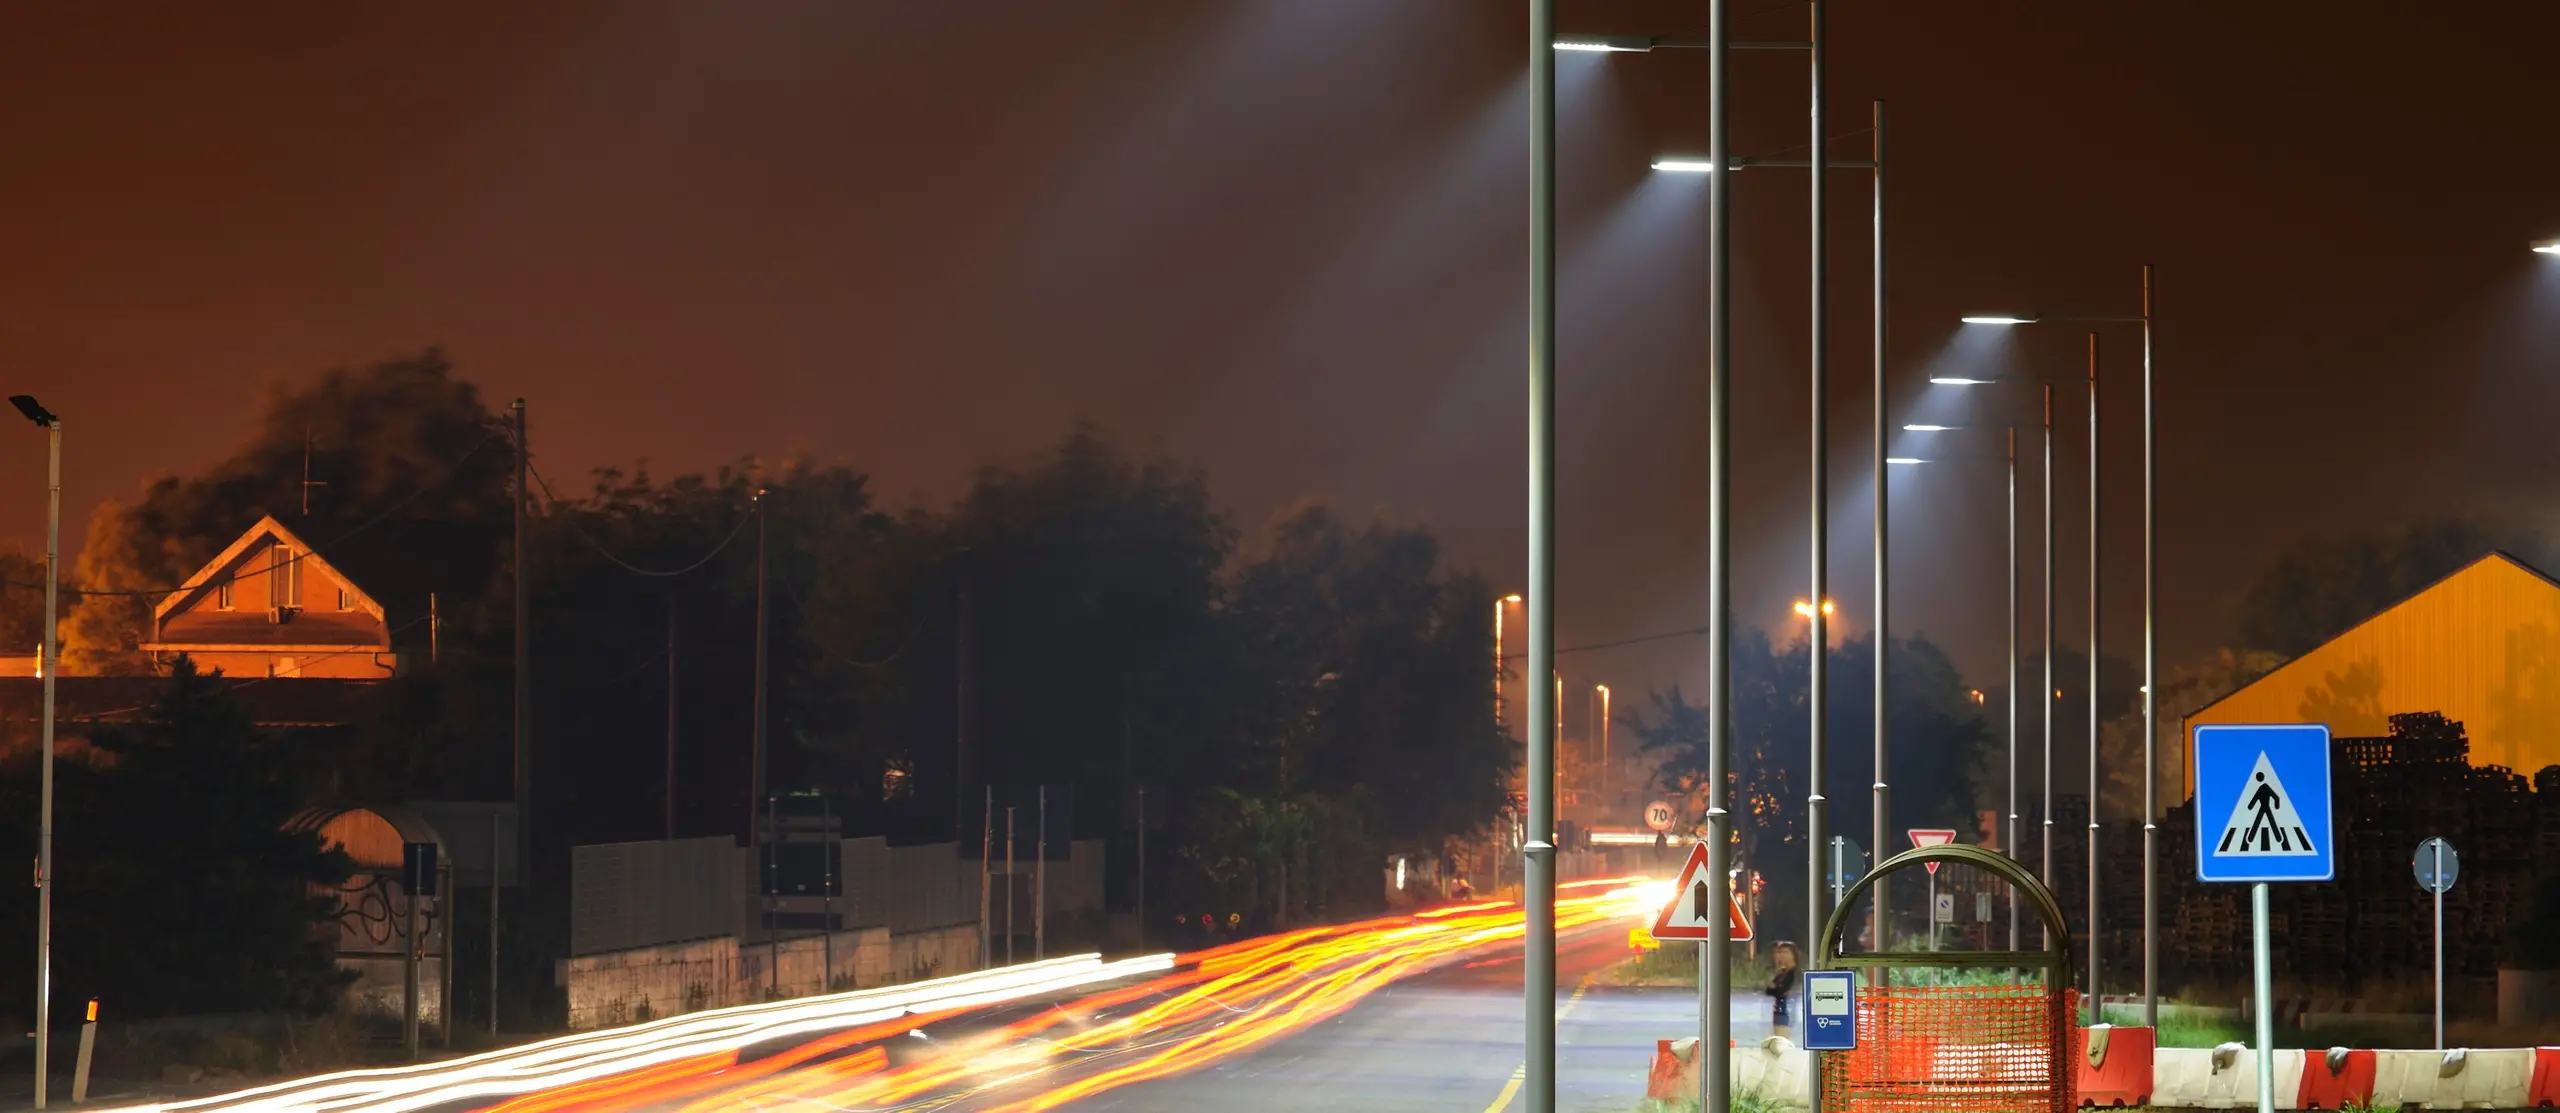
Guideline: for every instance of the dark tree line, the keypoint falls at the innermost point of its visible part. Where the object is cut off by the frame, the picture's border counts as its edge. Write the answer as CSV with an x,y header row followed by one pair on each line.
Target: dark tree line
x,y
1300,701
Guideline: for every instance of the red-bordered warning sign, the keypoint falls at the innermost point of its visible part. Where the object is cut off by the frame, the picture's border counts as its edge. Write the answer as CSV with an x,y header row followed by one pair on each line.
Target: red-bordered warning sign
x,y
1686,917
1931,836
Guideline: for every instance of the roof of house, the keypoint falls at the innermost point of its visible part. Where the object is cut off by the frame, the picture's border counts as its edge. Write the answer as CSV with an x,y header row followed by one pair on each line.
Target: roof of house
x,y
395,564
223,568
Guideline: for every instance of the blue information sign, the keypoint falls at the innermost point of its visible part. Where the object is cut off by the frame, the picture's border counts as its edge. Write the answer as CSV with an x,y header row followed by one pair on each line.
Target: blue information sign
x,y
1830,1010
2262,803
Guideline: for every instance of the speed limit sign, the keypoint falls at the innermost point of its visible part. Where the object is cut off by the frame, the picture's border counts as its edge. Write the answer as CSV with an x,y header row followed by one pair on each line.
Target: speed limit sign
x,y
1658,815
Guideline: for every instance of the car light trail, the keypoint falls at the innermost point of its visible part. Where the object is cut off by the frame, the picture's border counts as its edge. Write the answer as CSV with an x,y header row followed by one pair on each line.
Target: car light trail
x,y
1194,1010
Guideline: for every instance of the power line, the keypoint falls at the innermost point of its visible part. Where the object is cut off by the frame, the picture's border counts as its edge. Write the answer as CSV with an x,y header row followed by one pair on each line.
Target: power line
x,y
486,435
572,522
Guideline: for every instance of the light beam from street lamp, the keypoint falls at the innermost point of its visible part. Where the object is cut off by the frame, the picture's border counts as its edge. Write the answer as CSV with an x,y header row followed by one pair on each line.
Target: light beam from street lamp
x,y
2000,319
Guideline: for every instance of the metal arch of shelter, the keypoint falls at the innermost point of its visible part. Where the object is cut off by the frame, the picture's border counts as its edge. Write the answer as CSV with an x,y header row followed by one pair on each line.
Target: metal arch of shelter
x,y
2054,961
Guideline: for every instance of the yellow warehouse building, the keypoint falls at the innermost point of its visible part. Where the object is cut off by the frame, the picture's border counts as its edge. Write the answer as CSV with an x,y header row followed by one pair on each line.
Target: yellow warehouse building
x,y
2482,646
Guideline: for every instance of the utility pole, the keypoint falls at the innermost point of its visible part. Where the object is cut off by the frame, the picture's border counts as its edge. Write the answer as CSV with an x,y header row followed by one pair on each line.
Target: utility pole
x,y
1040,884
2097,924
49,662
307,482
756,761
524,683
671,714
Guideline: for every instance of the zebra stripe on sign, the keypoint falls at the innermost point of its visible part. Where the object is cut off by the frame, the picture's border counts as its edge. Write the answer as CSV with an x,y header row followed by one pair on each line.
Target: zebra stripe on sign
x,y
2263,821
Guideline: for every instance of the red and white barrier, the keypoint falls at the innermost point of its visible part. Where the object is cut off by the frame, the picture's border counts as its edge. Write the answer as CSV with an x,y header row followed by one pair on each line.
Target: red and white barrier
x,y
2126,1070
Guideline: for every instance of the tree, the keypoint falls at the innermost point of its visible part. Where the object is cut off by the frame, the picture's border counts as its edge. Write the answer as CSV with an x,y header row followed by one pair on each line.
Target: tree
x,y
403,439
179,889
1939,741
2314,590
22,600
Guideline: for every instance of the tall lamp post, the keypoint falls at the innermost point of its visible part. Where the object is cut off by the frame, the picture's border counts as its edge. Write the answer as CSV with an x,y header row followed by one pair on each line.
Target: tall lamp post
x,y
2047,691
1537,880
2011,683
49,662
2150,645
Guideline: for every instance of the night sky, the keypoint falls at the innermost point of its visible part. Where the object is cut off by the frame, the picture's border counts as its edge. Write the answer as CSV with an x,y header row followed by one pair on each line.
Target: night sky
x,y
1287,238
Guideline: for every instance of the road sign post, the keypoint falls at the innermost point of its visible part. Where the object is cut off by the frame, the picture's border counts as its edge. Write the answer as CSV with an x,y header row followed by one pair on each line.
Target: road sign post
x,y
1690,914
2436,866
1932,836
2272,782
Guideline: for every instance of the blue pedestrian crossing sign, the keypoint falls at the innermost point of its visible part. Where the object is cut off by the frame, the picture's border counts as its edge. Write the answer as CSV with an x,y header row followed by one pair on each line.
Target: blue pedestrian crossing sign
x,y
2262,803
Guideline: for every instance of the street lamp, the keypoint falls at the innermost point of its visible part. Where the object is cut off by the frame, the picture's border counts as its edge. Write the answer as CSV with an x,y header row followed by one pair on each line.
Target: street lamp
x,y
1498,606
49,664
2150,653
2045,802
2547,247
1714,1017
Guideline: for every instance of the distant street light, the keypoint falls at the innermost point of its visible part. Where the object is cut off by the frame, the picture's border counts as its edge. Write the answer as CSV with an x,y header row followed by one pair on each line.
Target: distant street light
x,y
1805,609
1685,165
2150,658
2547,247
1898,460
1606,44
1959,380
1930,428
48,665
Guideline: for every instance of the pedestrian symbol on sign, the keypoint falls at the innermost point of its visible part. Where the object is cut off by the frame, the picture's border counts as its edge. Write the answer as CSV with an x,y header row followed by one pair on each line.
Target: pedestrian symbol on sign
x,y
2263,821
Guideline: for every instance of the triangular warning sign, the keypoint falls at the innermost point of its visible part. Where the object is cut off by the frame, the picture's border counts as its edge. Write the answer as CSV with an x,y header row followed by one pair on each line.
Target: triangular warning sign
x,y
1931,836
2263,821
1691,899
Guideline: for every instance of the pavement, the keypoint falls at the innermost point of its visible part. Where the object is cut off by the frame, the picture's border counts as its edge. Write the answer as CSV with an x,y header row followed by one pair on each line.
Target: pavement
x,y
1450,1040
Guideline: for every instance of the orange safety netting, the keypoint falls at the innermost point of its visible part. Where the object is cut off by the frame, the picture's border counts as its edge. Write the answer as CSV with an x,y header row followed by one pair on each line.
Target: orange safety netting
x,y
1958,1047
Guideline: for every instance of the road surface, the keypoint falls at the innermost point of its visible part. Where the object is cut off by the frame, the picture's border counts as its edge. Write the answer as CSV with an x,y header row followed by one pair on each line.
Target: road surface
x,y
1400,1013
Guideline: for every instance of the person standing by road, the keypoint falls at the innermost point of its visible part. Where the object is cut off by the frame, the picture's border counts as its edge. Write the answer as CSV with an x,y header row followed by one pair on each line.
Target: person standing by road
x,y
1782,985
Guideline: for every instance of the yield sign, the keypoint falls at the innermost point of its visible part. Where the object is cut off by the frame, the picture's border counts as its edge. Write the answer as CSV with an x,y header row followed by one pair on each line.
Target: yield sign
x,y
1931,836
1691,900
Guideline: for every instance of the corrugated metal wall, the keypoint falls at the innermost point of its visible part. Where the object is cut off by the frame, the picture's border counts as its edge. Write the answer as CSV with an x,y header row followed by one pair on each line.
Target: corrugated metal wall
x,y
639,894
930,887
2482,646
643,894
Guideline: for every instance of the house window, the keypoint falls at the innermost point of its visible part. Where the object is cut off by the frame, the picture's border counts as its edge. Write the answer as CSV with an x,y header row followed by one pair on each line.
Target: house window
x,y
286,666
346,602
284,578
222,596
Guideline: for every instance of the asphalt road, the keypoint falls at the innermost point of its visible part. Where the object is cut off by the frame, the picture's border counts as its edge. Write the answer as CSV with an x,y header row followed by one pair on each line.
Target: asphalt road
x,y
1449,1040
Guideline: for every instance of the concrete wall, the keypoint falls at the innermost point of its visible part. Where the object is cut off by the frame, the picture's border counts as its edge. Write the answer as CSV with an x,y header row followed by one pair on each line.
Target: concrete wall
x,y
622,987
934,952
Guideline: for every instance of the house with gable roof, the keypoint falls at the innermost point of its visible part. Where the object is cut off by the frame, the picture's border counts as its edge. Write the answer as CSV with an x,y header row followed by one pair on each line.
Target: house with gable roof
x,y
269,606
